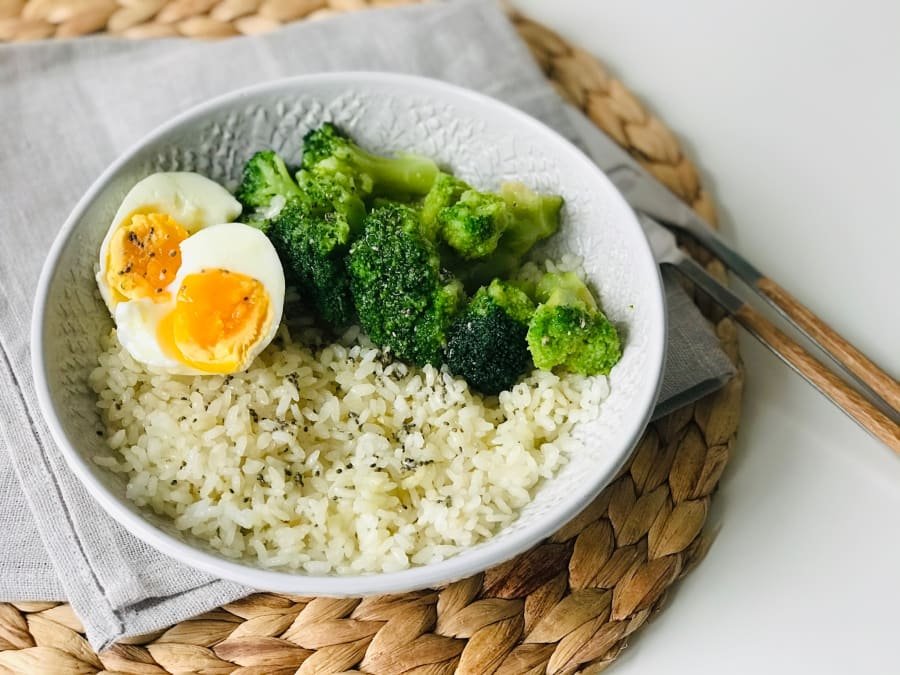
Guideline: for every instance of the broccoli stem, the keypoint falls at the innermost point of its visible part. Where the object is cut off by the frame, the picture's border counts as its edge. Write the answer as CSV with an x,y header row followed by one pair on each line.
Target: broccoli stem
x,y
564,288
404,174
328,151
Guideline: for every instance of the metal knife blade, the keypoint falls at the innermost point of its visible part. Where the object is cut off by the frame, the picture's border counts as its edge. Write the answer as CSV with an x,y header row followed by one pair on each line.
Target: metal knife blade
x,y
647,195
642,190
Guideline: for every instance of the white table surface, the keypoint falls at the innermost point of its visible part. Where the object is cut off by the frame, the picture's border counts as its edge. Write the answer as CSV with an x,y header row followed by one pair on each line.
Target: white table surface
x,y
792,111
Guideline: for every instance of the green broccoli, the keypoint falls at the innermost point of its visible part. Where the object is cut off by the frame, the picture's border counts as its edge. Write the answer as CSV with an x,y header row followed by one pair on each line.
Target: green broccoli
x,y
265,178
568,329
445,191
312,233
404,300
486,344
469,221
265,188
333,201
474,224
330,152
532,218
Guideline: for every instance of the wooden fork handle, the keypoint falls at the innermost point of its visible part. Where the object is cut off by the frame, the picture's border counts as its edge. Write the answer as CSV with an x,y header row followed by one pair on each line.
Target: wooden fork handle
x,y
849,356
844,396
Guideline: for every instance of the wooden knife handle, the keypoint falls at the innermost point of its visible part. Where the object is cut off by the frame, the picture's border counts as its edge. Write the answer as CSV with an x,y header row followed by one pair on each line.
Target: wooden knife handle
x,y
844,396
849,356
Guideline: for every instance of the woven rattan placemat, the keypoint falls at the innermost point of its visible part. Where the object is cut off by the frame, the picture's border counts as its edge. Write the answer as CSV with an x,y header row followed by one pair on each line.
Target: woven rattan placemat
x,y
568,605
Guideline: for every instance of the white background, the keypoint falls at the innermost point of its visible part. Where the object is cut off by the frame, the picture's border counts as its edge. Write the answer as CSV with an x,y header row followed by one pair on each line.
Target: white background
x,y
792,112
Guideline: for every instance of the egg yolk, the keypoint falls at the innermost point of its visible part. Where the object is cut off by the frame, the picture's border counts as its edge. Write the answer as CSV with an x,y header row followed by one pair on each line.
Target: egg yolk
x,y
144,256
218,317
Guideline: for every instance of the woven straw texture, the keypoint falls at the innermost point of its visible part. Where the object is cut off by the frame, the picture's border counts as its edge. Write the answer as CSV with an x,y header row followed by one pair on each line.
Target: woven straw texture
x,y
569,605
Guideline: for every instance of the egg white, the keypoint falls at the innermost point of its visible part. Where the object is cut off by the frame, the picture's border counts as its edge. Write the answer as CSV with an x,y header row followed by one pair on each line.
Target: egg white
x,y
194,201
229,246
137,322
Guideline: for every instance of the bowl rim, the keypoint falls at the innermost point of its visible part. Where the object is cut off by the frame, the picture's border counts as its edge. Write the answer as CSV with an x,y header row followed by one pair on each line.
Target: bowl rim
x,y
461,565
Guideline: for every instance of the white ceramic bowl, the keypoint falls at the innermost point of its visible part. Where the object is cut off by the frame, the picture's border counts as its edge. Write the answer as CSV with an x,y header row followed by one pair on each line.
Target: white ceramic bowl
x,y
482,140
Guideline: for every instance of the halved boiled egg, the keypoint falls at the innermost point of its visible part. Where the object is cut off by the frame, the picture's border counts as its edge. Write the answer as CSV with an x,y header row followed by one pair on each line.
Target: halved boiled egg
x,y
221,309
140,256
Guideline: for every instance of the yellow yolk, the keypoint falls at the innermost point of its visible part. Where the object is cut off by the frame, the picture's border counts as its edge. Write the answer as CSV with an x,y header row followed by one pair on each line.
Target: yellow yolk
x,y
144,256
218,317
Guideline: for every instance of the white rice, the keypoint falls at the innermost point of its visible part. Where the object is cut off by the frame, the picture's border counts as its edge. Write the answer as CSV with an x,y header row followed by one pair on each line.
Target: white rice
x,y
335,460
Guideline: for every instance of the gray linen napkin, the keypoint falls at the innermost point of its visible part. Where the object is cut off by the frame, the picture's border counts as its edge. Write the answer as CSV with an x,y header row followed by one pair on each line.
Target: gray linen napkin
x,y
67,109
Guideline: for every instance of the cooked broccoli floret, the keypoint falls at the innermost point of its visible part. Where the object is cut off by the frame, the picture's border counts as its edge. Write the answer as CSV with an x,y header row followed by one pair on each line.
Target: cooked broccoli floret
x,y
532,218
569,330
312,233
265,188
473,225
486,344
445,191
404,300
265,177
328,151
333,201
469,221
